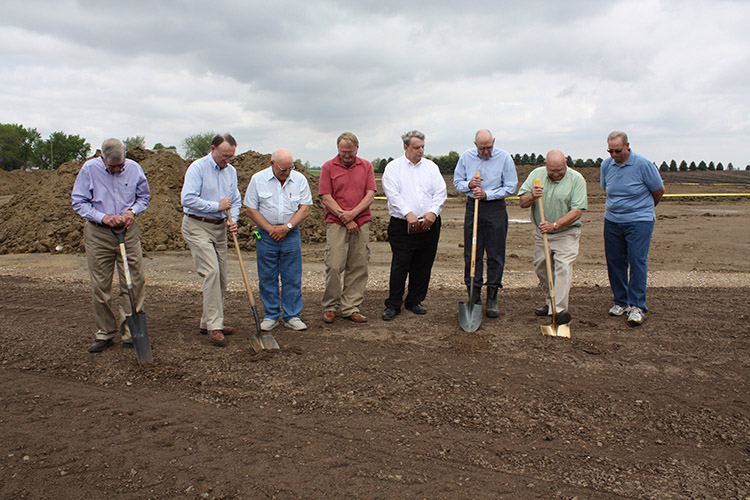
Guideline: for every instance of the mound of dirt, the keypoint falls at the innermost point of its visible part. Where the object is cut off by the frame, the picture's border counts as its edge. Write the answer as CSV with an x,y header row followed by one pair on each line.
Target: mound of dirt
x,y
38,216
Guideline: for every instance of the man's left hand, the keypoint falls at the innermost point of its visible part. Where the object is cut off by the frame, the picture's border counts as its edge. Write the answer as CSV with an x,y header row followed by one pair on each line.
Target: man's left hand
x,y
278,233
232,227
479,193
346,216
428,220
352,227
127,219
546,227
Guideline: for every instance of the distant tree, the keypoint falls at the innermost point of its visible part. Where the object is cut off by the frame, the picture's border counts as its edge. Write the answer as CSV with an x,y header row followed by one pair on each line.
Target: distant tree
x,y
747,167
159,147
532,159
578,163
598,163
664,167
589,163
683,166
569,161
138,141
702,166
380,168
673,166
517,159
540,160
693,166
447,163
719,166
60,148
198,145
17,146
730,166
525,159
711,166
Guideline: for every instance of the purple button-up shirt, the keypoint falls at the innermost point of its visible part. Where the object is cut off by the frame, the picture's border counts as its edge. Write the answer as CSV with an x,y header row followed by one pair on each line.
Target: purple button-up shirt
x,y
97,192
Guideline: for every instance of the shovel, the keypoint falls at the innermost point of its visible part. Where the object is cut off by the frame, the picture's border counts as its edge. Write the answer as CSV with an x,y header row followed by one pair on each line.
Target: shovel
x,y
554,330
137,320
469,313
259,340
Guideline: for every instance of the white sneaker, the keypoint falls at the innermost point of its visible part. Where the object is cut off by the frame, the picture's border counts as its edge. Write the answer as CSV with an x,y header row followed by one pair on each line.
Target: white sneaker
x,y
295,324
618,310
268,324
636,316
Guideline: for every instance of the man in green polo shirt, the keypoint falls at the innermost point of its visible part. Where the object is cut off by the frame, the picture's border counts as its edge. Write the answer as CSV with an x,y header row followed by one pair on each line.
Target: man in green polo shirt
x,y
563,192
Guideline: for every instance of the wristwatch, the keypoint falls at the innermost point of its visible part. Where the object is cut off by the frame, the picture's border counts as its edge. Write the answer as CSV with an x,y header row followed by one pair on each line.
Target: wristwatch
x,y
556,226
133,211
289,225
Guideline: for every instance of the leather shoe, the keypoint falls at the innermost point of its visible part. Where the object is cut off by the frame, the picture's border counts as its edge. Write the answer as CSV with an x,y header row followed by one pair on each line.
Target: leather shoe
x,y
100,345
357,318
329,316
390,313
227,330
417,309
216,337
563,317
542,311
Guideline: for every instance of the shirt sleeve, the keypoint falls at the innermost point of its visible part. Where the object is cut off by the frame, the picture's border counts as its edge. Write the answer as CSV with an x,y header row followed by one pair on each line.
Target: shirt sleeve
x,y
251,195
390,187
651,177
82,195
460,180
370,186
324,183
191,190
579,200
440,193
142,193
236,199
305,196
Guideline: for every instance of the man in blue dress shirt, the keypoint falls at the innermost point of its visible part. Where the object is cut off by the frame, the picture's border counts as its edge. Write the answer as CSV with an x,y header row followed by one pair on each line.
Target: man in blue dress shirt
x,y
210,190
496,181
109,192
633,188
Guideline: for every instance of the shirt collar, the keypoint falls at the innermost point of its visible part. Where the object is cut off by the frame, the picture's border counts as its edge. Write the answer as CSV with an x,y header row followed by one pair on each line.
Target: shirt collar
x,y
337,161
269,176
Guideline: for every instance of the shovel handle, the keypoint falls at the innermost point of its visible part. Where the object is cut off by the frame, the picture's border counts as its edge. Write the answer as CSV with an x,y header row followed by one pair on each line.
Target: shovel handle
x,y
242,265
474,237
548,261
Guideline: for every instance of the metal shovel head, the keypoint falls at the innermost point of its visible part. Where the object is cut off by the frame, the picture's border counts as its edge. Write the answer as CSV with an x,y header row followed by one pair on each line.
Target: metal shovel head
x,y
469,316
556,331
139,333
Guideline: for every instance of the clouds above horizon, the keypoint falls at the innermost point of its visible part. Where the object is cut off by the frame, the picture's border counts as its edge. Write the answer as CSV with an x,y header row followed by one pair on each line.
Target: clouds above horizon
x,y
294,74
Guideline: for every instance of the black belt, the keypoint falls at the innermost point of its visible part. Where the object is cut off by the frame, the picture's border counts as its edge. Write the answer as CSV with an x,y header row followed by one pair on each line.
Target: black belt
x,y
204,219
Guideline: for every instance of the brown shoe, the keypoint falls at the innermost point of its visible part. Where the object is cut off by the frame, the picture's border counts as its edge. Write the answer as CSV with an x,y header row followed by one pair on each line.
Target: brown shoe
x,y
357,318
100,345
329,316
216,338
227,330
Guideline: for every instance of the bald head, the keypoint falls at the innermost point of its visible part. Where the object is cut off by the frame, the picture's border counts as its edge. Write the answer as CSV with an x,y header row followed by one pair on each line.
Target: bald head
x,y
484,142
282,164
556,165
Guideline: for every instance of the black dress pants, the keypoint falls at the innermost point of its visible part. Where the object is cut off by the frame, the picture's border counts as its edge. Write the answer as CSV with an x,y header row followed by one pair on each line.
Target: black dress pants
x,y
492,231
413,256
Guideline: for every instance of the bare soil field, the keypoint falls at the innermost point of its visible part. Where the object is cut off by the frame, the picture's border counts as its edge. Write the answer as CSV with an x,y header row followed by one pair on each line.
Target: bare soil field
x,y
413,408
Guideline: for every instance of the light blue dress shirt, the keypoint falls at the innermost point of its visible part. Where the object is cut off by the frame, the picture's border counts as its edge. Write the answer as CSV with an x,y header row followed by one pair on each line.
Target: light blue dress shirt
x,y
277,203
205,184
499,173
97,192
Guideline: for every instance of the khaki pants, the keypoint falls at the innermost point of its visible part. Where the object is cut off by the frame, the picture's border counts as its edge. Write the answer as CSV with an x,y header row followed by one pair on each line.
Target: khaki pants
x,y
102,253
208,244
348,254
564,249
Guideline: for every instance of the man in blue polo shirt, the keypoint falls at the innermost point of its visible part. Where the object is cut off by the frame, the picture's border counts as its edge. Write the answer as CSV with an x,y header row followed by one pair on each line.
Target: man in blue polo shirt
x,y
633,187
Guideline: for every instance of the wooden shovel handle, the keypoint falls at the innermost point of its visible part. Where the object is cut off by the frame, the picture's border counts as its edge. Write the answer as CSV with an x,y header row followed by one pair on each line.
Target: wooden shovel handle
x,y
474,237
242,265
548,261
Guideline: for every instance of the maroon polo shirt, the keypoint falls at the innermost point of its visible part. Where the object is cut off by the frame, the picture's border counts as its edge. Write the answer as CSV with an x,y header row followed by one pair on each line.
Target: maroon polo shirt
x,y
348,186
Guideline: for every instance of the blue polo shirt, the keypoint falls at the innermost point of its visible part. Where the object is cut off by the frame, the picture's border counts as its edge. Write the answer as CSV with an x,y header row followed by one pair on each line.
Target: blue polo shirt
x,y
629,187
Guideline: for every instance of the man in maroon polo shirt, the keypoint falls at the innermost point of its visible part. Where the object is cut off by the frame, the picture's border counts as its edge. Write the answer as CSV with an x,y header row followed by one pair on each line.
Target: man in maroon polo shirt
x,y
347,188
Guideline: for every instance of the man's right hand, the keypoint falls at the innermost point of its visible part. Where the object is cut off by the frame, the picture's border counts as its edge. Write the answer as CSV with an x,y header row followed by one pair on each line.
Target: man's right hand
x,y
536,191
113,220
475,182
225,204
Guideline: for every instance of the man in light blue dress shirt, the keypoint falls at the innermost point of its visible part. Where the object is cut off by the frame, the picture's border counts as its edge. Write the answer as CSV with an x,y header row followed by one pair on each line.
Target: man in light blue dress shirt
x,y
210,190
109,192
278,199
496,181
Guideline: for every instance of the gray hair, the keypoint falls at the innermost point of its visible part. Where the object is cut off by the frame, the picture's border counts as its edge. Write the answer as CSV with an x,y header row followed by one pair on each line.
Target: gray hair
x,y
113,150
407,137
617,134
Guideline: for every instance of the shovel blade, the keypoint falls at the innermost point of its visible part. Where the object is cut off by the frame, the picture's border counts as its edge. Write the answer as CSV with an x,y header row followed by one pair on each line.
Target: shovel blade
x,y
469,316
556,331
139,333
269,343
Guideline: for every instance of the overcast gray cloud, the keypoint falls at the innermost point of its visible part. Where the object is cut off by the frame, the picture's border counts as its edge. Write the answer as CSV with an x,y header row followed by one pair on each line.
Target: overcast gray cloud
x,y
294,74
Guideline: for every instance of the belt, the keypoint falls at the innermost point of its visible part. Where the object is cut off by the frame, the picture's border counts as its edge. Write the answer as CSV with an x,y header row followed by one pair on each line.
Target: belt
x,y
204,219
99,225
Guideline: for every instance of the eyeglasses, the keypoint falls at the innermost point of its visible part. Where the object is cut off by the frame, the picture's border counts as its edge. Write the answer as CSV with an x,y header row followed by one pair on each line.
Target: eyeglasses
x,y
485,148
285,169
617,151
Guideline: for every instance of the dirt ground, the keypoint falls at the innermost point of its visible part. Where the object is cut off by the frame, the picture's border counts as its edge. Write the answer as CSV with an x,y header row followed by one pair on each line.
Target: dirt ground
x,y
413,408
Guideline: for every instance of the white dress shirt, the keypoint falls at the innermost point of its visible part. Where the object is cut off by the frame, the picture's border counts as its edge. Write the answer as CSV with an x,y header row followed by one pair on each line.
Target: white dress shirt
x,y
413,188
277,203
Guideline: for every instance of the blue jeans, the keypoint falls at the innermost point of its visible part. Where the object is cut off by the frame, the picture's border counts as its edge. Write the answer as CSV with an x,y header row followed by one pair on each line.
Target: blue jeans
x,y
280,258
626,246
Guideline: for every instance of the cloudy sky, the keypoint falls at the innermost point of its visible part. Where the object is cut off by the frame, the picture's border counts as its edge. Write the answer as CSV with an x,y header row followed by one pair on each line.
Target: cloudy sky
x,y
675,75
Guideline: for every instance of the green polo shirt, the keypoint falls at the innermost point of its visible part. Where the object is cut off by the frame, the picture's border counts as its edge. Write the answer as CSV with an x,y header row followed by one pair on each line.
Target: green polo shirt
x,y
559,198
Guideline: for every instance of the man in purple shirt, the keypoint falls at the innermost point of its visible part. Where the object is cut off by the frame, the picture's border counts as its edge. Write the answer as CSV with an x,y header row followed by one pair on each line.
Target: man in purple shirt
x,y
109,192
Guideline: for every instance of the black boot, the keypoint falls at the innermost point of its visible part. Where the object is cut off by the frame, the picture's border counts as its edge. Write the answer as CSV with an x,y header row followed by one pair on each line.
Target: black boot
x,y
492,311
477,298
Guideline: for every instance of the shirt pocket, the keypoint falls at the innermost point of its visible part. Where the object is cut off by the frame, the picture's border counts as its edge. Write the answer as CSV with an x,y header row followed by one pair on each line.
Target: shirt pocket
x,y
265,199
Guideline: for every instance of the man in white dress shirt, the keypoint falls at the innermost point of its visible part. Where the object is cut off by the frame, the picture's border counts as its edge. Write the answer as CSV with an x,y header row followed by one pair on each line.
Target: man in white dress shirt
x,y
416,194
278,199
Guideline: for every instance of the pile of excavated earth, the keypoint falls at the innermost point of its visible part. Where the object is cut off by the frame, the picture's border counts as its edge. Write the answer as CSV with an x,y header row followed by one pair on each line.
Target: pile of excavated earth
x,y
36,213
